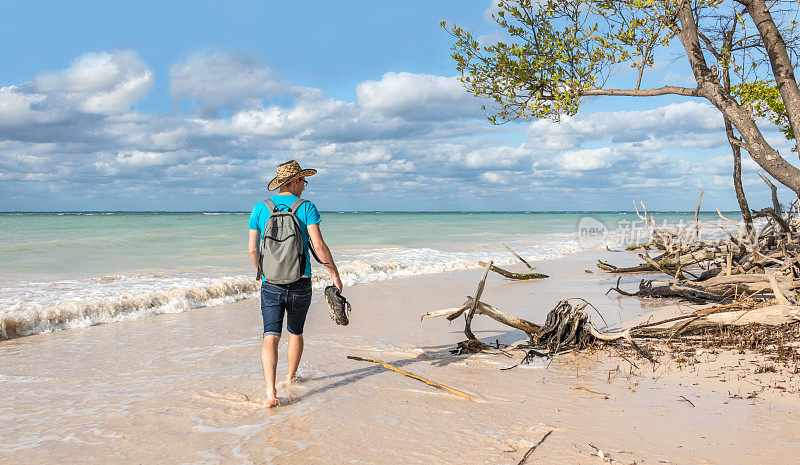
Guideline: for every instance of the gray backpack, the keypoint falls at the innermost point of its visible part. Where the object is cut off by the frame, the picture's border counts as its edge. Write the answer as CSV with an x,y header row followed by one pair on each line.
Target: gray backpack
x,y
282,257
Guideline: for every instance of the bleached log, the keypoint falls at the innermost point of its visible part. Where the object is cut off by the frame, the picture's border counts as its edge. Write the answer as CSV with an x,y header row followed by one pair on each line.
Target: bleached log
x,y
483,308
447,311
740,278
471,313
772,315
776,289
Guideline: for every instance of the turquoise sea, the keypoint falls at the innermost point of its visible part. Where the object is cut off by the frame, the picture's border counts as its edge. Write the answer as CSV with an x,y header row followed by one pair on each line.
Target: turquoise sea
x,y
76,269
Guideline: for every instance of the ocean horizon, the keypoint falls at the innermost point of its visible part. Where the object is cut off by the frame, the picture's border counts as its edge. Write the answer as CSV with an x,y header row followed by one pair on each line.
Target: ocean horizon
x,y
359,211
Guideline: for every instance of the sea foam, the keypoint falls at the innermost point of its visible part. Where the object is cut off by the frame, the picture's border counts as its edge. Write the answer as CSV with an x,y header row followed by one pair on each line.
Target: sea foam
x,y
28,308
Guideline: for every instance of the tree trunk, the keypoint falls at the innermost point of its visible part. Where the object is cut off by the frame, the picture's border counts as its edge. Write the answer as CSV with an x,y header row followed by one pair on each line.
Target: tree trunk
x,y
710,88
779,59
747,216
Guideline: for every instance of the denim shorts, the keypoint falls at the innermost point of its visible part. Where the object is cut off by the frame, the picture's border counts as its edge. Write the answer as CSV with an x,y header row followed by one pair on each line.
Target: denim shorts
x,y
292,299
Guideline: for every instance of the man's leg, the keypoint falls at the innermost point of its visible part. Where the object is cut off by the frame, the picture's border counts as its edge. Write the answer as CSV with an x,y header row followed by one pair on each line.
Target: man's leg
x,y
295,353
300,299
269,363
272,307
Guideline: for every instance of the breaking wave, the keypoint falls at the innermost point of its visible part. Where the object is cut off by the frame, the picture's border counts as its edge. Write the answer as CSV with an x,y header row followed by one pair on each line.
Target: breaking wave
x,y
30,308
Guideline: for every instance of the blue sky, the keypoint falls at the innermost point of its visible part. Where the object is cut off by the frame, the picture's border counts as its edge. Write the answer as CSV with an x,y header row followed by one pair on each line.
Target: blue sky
x,y
190,105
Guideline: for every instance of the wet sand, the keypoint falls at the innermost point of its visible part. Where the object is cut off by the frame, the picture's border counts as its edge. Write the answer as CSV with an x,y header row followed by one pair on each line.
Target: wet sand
x,y
188,388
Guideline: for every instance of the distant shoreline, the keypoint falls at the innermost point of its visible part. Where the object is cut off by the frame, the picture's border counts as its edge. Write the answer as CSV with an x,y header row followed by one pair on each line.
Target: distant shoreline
x,y
234,212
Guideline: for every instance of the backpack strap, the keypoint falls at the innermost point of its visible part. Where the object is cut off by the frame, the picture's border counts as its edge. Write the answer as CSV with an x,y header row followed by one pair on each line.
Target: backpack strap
x,y
295,205
271,206
293,208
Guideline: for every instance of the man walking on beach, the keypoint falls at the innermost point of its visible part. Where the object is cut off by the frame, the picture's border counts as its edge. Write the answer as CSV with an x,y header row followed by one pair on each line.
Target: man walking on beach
x,y
293,298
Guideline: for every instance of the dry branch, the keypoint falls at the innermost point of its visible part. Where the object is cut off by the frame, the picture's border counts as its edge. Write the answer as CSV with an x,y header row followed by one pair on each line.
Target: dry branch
x,y
750,278
463,395
533,448
485,309
520,258
726,270
471,313
512,275
776,289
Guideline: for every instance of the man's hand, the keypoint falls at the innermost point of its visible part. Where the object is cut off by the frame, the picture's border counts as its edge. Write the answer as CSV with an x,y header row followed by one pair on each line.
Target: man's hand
x,y
337,281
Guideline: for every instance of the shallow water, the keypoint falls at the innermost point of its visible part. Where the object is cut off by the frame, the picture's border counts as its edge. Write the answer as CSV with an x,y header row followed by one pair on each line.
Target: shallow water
x,y
70,270
187,387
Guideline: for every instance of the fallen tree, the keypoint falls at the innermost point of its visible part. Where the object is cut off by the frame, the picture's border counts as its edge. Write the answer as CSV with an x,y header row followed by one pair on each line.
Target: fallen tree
x,y
762,265
747,278
568,328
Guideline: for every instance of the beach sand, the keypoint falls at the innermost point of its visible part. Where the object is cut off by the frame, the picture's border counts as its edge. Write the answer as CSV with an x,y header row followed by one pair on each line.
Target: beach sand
x,y
188,387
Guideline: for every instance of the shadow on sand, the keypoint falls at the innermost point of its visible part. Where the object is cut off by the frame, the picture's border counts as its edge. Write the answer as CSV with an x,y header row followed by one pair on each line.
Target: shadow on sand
x,y
438,356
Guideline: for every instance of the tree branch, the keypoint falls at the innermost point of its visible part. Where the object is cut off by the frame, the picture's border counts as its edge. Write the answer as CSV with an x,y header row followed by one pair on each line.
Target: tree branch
x,y
666,90
736,141
709,46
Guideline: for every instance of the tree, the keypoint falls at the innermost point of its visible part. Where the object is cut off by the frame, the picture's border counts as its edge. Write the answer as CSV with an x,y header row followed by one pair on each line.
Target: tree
x,y
559,51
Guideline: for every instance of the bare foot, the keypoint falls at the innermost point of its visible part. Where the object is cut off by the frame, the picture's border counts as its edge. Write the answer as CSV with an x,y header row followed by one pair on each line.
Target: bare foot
x,y
292,380
272,400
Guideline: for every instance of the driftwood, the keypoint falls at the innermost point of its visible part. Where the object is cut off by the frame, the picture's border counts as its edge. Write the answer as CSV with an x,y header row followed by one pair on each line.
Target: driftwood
x,y
474,304
518,257
512,275
463,395
485,309
693,294
749,264
533,448
564,326
569,328
745,278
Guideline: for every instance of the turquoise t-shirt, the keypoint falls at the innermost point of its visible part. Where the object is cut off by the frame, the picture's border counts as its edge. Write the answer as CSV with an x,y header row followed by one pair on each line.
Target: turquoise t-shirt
x,y
307,214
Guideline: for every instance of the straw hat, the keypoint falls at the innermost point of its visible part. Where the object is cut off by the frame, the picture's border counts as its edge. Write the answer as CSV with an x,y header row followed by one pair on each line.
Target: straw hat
x,y
288,172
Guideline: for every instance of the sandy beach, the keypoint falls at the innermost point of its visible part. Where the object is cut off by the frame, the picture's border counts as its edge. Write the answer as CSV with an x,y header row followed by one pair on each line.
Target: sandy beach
x,y
188,387
159,159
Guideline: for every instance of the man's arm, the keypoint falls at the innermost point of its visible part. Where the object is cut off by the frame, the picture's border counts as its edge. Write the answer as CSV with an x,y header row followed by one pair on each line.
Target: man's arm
x,y
324,253
252,247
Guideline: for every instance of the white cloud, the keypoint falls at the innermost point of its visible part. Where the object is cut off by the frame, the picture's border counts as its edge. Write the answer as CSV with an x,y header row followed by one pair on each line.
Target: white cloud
x,y
589,159
103,83
303,119
396,166
493,8
17,107
689,123
672,78
138,158
221,80
417,96
490,39
723,166
370,156
407,134
494,177
490,156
